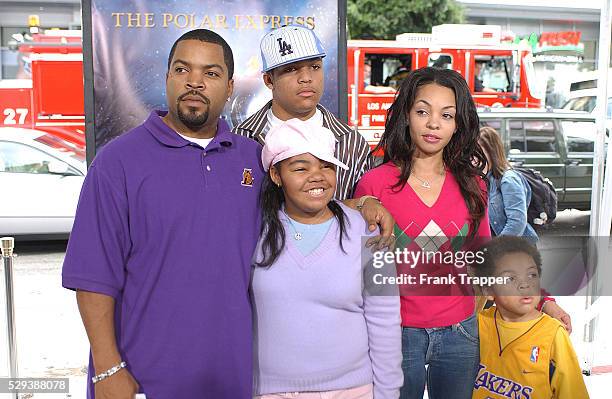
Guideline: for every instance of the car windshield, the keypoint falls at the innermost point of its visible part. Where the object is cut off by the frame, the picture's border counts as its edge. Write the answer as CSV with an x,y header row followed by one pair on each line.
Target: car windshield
x,y
579,135
496,72
63,146
585,103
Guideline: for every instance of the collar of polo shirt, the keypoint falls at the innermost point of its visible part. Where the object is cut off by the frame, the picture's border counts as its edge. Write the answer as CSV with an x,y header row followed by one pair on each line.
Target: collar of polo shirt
x,y
167,136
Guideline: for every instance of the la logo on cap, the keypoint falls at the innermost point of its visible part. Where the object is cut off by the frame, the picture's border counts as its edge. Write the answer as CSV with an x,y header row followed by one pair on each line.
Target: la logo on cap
x,y
284,48
289,44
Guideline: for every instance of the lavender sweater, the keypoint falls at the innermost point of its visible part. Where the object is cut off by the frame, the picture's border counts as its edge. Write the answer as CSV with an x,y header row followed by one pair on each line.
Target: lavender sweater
x,y
315,328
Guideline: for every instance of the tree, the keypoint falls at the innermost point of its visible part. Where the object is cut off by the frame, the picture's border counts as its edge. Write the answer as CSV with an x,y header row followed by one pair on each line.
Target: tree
x,y
383,19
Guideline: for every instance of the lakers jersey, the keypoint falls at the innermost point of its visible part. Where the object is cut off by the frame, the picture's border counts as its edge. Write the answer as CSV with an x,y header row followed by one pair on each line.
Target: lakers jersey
x,y
520,370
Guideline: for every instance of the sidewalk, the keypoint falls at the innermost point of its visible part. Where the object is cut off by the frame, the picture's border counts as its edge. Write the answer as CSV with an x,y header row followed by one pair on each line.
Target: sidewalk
x,y
51,338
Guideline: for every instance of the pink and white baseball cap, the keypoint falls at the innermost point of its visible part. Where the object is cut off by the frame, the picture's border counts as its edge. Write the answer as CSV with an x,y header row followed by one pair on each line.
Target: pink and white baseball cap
x,y
295,137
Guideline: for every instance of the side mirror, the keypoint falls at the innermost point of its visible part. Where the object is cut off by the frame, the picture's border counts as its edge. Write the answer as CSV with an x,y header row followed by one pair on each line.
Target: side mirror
x,y
59,168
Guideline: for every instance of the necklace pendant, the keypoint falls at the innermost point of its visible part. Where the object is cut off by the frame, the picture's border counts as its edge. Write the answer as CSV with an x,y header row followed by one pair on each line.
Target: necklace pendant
x,y
425,184
297,236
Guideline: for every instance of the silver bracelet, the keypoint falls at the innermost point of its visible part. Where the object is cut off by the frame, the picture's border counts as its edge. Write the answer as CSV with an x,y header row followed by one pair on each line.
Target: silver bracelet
x,y
108,373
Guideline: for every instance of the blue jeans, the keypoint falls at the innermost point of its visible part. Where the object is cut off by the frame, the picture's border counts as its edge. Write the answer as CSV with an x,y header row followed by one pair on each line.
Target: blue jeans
x,y
453,356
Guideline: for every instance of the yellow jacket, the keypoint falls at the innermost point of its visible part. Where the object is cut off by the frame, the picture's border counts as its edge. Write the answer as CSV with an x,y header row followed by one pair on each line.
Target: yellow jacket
x,y
526,360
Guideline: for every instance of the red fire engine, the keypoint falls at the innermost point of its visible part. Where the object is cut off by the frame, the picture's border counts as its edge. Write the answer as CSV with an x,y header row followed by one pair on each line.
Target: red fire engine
x,y
48,95
499,74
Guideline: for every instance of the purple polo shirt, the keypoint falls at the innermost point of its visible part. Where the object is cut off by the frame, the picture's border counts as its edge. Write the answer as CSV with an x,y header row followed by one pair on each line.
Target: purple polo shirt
x,y
168,229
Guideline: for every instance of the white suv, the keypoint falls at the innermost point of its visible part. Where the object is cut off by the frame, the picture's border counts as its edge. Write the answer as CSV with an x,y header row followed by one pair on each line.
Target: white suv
x,y
583,96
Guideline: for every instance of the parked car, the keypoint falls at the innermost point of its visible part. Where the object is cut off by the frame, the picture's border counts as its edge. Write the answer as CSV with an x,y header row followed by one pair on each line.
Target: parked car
x,y
41,177
587,101
583,96
558,143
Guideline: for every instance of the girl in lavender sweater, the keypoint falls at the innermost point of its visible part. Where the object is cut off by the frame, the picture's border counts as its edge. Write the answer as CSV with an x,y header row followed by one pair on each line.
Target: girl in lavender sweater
x,y
317,333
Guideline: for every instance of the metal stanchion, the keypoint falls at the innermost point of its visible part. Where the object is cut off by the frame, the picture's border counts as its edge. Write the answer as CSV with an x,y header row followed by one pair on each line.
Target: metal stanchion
x,y
8,244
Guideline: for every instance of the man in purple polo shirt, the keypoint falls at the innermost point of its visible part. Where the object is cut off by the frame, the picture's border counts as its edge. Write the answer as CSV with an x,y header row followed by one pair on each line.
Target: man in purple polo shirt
x,y
160,250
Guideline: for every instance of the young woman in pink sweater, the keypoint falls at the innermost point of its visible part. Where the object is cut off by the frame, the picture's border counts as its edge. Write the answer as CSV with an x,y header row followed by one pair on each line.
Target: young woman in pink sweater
x,y
432,183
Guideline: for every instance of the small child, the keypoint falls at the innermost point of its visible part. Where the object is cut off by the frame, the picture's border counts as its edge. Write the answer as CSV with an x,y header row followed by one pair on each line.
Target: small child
x,y
524,354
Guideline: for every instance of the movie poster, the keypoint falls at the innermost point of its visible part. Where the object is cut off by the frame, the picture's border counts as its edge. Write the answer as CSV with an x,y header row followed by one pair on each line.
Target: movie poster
x,y
131,40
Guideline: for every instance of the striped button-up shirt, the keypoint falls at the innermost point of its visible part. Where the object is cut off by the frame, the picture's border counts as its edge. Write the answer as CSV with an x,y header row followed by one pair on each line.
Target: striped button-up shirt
x,y
351,147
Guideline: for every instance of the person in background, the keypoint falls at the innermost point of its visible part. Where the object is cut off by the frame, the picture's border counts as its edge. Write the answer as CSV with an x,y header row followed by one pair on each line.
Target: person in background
x,y
509,198
394,81
367,74
478,84
317,331
523,352
509,194
367,81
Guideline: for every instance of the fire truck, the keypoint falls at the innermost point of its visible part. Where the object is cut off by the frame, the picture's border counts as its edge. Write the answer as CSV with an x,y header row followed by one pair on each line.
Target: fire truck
x,y
499,73
48,93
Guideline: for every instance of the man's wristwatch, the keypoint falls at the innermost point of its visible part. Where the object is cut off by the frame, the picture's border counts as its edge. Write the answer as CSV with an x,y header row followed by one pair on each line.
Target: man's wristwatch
x,y
363,199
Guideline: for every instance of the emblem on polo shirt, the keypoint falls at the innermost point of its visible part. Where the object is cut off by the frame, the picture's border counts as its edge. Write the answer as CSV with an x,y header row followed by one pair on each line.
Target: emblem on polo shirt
x,y
247,177
284,48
